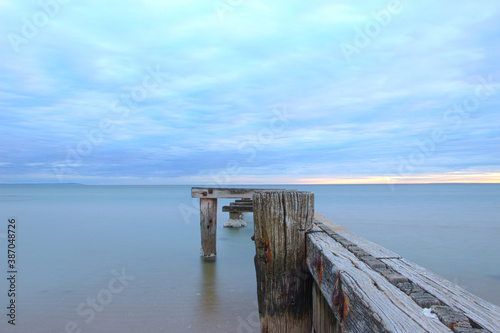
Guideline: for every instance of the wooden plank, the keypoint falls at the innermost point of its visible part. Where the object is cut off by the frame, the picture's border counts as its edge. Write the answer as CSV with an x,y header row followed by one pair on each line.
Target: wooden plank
x,y
372,248
242,209
324,320
247,200
217,192
247,203
482,312
208,226
362,299
284,288
438,289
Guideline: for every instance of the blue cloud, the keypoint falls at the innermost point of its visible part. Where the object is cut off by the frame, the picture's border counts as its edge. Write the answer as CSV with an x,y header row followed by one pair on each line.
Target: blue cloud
x,y
179,92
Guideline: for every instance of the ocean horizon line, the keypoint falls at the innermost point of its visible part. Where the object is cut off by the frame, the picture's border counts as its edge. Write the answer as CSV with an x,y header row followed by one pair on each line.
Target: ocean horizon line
x,y
252,185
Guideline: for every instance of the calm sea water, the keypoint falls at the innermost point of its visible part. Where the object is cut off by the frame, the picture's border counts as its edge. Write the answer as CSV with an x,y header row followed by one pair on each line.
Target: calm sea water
x,y
126,258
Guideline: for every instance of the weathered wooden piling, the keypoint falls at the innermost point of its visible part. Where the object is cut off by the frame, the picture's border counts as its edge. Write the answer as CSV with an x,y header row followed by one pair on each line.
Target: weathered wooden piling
x,y
236,210
371,289
208,212
284,286
208,226
315,275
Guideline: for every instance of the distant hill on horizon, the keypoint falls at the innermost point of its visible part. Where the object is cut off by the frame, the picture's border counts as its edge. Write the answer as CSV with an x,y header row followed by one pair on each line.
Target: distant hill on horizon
x,y
44,184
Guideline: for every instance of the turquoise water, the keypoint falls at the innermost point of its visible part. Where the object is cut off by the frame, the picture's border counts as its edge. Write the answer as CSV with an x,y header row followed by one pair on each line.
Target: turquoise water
x,y
134,250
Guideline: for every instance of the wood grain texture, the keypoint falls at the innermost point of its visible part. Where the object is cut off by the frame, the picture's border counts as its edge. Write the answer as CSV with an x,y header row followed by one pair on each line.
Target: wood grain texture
x,y
362,300
457,301
208,226
242,209
482,312
324,320
284,287
218,192
372,248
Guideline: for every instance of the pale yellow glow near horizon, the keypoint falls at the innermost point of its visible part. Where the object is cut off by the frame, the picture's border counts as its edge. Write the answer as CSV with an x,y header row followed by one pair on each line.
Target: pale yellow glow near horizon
x,y
416,179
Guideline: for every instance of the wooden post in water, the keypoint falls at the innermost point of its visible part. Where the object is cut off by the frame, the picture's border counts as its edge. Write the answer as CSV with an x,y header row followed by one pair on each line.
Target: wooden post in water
x,y
208,226
208,212
284,285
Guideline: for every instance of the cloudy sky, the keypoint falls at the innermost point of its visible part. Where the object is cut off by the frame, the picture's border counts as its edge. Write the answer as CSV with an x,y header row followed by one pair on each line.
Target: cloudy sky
x,y
243,92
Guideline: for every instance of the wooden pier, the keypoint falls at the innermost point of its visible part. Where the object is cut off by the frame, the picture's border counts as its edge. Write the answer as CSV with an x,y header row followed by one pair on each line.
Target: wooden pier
x,y
236,210
316,276
208,212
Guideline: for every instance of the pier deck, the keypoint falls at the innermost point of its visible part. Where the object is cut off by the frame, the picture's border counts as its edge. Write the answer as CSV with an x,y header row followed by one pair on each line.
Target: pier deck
x,y
315,275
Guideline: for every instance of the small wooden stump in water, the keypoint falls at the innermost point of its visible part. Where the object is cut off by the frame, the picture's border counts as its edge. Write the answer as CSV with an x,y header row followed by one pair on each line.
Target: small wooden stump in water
x,y
236,210
284,286
235,220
